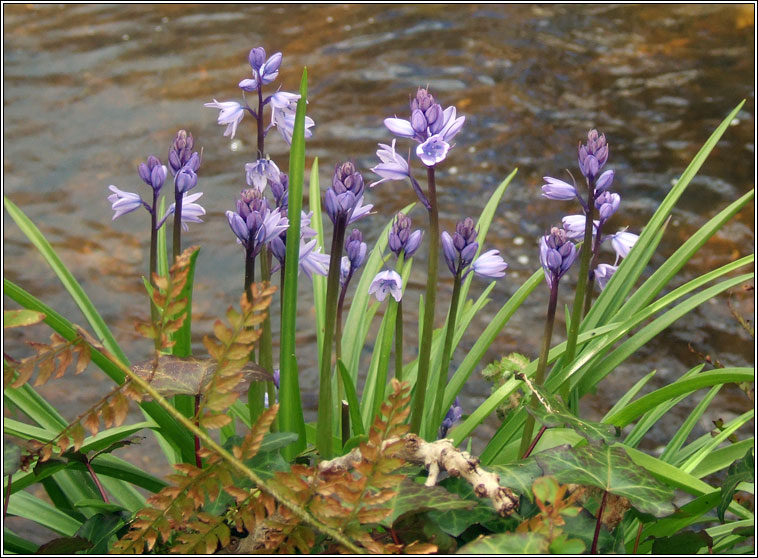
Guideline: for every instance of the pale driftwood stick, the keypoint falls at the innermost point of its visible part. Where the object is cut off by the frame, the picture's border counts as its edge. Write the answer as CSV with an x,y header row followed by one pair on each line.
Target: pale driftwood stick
x,y
440,456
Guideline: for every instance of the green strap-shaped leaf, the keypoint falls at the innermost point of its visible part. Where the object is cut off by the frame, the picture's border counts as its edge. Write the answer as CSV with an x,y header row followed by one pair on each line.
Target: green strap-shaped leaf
x,y
291,413
69,282
740,471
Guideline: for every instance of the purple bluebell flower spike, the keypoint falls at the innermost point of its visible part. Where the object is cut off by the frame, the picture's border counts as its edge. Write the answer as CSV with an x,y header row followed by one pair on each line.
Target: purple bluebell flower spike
x,y
453,415
557,253
180,153
231,115
387,282
263,72
153,173
344,199
593,155
356,249
432,127
254,223
401,239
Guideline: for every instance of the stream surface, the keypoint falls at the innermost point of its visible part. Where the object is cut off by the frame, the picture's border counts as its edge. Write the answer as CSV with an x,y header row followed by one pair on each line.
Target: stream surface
x,y
91,90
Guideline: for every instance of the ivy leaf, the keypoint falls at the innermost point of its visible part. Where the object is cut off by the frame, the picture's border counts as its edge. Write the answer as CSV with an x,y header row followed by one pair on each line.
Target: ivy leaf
x,y
519,476
11,457
190,376
611,469
739,471
686,542
481,512
64,546
415,497
553,413
508,543
21,318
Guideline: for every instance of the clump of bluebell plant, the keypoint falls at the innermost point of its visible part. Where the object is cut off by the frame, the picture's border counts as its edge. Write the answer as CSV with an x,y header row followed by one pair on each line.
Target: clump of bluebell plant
x,y
432,128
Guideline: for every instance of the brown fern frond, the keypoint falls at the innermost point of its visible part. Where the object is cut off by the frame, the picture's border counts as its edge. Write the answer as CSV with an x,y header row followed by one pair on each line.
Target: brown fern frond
x,y
50,360
231,349
172,310
202,535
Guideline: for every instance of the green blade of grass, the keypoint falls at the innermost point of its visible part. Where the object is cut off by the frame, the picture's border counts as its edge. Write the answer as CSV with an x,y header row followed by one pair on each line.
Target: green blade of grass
x,y
319,281
27,506
677,441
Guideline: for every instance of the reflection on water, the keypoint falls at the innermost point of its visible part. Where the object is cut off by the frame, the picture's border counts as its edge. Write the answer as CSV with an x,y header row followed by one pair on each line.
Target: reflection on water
x,y
90,90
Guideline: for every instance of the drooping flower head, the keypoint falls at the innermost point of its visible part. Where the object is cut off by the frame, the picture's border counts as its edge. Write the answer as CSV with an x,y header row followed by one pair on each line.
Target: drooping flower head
x,y
152,173
346,194
452,416
283,109
231,115
393,166
431,126
387,282
191,211
557,253
261,173
593,155
125,202
556,189
401,239
603,273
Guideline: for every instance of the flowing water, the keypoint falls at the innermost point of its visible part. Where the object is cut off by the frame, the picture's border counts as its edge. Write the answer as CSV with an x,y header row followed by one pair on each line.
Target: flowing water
x,y
91,90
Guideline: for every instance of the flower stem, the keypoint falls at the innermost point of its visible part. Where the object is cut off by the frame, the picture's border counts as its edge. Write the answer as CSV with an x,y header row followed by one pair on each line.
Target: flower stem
x,y
581,285
325,411
254,393
531,447
438,412
265,350
593,264
417,408
338,351
600,511
154,314
399,342
539,376
96,480
259,121
177,244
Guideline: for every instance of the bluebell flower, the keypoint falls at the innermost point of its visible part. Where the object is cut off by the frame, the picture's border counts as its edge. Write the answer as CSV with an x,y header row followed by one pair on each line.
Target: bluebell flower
x,y
607,203
387,282
622,243
263,72
125,202
401,239
574,226
185,180
432,127
231,114
311,260
603,273
557,253
604,181
356,249
392,167
283,109
254,223
191,211
556,189
460,248
153,173
489,265
345,197
262,172
344,270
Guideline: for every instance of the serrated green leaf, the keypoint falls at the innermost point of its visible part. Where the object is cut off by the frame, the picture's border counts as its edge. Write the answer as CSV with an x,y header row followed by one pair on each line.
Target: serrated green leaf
x,y
608,468
414,497
508,543
740,471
